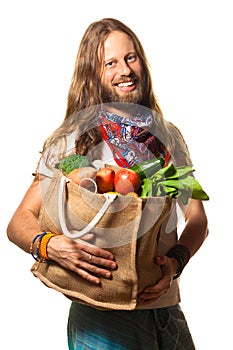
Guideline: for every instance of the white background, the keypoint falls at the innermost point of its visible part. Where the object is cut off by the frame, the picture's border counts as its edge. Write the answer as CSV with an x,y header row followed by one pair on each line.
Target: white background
x,y
189,46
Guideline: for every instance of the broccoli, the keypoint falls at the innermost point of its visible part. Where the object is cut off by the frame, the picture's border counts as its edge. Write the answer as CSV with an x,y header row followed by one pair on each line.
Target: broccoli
x,y
72,162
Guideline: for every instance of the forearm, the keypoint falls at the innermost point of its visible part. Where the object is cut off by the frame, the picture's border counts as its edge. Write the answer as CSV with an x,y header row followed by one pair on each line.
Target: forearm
x,y
196,228
22,228
24,225
192,237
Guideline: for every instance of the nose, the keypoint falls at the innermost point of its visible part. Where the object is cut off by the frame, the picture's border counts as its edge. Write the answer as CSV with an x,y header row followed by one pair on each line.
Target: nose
x,y
123,68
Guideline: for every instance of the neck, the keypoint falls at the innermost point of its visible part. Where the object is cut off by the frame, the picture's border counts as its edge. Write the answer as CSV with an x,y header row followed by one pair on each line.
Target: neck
x,y
123,109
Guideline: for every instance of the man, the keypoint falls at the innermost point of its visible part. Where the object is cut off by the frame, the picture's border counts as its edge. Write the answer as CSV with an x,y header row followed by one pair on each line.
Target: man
x,y
111,67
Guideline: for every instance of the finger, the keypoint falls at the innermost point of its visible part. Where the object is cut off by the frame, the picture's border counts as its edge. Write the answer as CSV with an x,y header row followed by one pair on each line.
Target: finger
x,y
88,237
161,260
144,302
160,285
102,254
84,269
96,270
152,296
84,274
89,262
98,252
92,259
81,268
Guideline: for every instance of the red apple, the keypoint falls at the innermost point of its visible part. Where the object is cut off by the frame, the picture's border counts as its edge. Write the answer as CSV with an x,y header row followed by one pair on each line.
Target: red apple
x,y
105,180
127,180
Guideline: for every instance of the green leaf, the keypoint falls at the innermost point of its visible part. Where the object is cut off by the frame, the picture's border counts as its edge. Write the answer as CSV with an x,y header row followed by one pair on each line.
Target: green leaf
x,y
168,171
174,182
198,192
146,188
184,171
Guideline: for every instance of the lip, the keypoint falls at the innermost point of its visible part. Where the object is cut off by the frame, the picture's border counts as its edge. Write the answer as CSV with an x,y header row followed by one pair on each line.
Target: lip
x,y
126,86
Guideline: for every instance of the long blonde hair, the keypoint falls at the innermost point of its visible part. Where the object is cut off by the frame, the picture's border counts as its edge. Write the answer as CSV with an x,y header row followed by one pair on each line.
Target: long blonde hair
x,y
85,90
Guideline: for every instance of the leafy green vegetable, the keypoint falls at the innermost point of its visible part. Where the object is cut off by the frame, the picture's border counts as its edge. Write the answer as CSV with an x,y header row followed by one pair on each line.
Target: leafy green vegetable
x,y
148,167
174,182
73,161
147,188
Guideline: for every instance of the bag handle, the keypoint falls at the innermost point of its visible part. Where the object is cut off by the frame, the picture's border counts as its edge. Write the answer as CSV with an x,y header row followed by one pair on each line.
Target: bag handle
x,y
74,234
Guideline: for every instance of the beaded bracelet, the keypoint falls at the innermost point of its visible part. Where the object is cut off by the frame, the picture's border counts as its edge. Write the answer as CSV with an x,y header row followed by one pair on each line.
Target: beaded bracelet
x,y
182,255
31,247
43,245
40,258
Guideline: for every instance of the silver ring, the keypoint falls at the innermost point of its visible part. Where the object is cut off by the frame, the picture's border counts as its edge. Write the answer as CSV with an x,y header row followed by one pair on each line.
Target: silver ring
x,y
90,258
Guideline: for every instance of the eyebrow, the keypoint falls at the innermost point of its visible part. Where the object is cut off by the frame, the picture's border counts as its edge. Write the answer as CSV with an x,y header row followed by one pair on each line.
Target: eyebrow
x,y
114,58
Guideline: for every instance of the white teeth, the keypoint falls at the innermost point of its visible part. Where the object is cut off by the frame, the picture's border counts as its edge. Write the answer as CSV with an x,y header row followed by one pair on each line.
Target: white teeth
x,y
125,84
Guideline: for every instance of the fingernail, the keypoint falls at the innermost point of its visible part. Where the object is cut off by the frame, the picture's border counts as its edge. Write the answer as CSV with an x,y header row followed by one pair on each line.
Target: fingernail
x,y
113,266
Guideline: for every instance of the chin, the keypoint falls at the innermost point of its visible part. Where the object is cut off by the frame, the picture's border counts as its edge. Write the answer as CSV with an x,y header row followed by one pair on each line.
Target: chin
x,y
130,97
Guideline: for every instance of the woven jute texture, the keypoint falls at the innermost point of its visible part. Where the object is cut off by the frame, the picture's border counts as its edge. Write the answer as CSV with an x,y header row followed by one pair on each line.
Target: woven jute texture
x,y
130,229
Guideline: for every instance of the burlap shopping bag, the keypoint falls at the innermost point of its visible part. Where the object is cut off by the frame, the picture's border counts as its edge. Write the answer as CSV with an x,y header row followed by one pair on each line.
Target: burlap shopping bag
x,y
129,228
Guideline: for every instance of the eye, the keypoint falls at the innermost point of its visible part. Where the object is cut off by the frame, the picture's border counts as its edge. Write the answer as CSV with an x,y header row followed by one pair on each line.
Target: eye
x,y
109,64
131,58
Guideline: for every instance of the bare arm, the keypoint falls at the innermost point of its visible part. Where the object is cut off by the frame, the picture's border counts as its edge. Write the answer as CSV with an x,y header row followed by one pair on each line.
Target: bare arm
x,y
24,225
193,235
74,255
196,228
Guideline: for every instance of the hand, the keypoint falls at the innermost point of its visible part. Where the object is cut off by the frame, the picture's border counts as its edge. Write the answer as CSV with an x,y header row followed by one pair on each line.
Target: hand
x,y
153,293
84,258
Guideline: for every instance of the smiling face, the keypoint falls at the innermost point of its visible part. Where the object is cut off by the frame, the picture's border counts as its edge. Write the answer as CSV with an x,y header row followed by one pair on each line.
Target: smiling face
x,y
122,78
